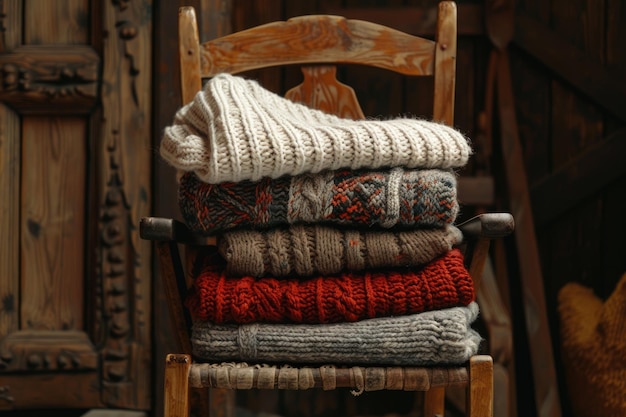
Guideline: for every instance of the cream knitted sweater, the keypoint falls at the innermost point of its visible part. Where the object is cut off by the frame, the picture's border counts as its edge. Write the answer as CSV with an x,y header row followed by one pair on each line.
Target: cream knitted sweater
x,y
236,130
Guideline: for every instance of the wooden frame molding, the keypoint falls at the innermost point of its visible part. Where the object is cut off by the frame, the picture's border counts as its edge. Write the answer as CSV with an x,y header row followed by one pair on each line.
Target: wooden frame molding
x,y
50,79
47,351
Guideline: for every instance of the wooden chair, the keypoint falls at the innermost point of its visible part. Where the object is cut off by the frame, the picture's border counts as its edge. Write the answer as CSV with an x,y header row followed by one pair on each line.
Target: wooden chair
x,y
324,41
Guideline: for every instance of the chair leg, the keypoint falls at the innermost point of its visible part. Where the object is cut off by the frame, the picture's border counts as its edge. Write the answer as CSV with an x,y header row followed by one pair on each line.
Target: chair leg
x,y
501,391
434,402
176,393
480,387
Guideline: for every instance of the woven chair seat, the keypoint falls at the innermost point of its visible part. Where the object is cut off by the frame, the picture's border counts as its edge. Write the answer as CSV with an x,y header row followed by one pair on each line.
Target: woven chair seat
x,y
359,379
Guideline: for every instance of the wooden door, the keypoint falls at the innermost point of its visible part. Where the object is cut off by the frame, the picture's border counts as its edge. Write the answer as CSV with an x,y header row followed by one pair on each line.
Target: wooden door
x,y
75,158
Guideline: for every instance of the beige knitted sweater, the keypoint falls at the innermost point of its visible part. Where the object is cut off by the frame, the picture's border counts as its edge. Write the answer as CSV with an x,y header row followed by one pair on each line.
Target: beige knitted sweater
x,y
235,130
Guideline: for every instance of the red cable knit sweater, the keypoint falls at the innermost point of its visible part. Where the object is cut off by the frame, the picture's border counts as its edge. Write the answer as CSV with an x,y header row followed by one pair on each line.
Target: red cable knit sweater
x,y
441,284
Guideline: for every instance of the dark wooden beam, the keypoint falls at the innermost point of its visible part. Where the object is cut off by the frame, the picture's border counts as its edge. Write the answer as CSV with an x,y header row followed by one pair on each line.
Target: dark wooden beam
x,y
533,292
581,178
420,21
605,88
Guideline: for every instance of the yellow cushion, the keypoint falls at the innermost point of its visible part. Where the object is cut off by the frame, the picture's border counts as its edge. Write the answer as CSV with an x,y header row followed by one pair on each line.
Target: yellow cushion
x,y
593,343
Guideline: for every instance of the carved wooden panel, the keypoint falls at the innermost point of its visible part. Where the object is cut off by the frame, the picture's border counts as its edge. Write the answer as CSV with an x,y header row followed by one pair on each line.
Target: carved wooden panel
x,y
75,159
123,181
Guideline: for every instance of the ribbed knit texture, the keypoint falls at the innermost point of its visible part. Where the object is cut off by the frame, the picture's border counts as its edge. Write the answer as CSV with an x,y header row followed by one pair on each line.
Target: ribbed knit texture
x,y
593,343
442,337
307,250
218,298
235,130
398,197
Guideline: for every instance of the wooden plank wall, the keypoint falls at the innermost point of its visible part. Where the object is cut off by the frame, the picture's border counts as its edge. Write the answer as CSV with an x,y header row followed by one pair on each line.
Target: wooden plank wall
x,y
570,102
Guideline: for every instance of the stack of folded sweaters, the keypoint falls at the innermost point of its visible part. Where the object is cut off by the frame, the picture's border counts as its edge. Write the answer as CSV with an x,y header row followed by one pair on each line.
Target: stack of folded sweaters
x,y
336,238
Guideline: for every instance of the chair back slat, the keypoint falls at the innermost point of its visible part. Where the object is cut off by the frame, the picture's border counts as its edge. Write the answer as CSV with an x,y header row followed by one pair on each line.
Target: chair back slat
x,y
321,90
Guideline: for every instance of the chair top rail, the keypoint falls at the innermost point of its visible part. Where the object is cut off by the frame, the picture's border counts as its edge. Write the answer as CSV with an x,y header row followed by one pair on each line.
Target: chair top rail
x,y
317,39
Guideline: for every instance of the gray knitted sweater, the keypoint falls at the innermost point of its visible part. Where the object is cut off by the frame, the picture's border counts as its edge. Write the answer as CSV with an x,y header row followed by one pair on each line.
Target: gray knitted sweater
x,y
435,337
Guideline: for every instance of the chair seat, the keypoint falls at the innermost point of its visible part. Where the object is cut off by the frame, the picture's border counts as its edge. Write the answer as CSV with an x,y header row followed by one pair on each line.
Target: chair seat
x,y
244,376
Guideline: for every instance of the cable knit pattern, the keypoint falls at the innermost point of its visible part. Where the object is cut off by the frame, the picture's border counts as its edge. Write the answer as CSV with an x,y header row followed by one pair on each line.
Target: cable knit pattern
x,y
307,250
235,130
397,197
442,337
218,298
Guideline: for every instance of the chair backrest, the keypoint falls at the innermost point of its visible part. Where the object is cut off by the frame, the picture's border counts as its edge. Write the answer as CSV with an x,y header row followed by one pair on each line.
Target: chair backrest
x,y
319,42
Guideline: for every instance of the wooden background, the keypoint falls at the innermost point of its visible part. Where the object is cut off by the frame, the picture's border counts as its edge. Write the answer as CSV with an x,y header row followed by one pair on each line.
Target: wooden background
x,y
87,88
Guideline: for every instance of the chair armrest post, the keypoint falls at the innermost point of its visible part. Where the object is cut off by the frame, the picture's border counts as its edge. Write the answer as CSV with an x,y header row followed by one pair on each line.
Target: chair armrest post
x,y
481,229
167,233
488,225
175,288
